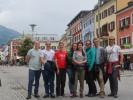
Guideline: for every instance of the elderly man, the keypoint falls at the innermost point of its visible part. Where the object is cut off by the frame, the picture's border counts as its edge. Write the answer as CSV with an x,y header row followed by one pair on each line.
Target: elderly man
x,y
114,59
33,60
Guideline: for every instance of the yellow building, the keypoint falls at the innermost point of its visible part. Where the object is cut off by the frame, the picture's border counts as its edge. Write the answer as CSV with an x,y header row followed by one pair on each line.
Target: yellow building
x,y
105,23
122,4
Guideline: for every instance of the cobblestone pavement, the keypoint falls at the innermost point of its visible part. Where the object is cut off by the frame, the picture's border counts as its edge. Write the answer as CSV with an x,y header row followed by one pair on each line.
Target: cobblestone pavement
x,y
15,79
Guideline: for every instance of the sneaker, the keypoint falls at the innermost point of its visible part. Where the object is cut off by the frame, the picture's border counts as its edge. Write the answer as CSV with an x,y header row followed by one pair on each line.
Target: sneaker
x,y
36,96
115,96
71,95
75,95
110,95
81,95
101,96
52,96
87,95
91,95
46,96
28,97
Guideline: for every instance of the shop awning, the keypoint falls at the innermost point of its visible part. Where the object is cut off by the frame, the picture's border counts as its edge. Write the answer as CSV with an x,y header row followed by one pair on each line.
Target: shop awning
x,y
127,51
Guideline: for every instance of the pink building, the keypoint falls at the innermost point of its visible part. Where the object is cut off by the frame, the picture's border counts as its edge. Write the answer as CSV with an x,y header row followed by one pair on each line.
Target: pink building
x,y
125,27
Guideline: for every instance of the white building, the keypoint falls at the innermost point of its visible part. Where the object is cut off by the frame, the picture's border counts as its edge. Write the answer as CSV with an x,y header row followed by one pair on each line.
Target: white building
x,y
54,38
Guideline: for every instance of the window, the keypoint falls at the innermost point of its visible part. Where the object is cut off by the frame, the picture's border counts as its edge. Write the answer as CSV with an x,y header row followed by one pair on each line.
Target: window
x,y
105,13
111,26
44,38
42,47
75,39
52,38
111,10
109,13
54,47
125,40
124,23
100,16
127,21
105,30
121,23
96,18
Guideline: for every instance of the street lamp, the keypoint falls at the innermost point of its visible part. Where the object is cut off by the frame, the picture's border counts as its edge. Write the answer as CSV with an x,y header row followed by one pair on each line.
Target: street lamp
x,y
33,28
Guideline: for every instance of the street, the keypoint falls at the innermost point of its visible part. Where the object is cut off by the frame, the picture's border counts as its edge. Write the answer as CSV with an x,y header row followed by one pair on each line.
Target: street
x,y
15,79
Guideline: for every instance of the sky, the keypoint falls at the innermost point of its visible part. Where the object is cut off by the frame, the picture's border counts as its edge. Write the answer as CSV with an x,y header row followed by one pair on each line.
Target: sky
x,y
50,16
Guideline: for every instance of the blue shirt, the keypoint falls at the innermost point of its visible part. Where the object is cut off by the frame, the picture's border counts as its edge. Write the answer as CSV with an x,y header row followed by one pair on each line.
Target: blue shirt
x,y
97,57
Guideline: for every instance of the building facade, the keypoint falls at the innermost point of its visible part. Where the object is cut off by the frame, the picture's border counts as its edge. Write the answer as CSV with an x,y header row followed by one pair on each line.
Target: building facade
x,y
105,20
75,26
69,38
54,38
88,27
64,40
13,48
125,27
122,4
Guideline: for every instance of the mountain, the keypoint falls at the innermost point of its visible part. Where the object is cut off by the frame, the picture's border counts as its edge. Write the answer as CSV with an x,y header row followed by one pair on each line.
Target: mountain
x,y
7,34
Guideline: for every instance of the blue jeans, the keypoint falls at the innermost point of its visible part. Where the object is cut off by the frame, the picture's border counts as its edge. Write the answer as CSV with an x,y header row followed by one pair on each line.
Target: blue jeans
x,y
113,81
71,77
33,74
48,77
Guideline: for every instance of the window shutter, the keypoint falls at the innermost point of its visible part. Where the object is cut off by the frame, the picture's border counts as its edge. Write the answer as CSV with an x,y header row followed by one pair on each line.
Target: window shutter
x,y
109,27
113,25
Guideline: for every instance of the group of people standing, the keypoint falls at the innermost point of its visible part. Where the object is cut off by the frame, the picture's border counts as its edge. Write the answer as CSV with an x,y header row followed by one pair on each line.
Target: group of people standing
x,y
81,62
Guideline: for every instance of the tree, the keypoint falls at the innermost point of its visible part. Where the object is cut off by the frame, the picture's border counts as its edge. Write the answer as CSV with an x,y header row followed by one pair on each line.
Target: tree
x,y
25,46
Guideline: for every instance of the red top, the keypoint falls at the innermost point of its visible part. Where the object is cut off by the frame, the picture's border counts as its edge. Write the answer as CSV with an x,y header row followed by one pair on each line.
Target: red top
x,y
60,56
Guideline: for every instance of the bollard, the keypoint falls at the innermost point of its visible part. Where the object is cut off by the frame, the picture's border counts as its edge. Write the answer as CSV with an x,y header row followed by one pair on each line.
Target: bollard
x,y
0,83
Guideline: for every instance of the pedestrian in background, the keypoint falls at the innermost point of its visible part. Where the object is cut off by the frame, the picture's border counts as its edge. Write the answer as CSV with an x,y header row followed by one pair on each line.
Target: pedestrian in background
x,y
114,59
79,59
90,75
33,60
71,68
60,61
48,70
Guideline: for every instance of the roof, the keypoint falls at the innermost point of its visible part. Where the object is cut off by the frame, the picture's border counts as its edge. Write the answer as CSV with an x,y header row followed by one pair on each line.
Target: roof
x,y
78,16
102,3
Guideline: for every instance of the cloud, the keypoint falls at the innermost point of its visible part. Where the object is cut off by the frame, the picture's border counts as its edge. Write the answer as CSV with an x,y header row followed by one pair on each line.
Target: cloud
x,y
51,16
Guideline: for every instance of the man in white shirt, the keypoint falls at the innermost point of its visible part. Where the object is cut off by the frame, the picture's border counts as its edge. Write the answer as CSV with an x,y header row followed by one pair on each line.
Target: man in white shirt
x,y
47,57
114,58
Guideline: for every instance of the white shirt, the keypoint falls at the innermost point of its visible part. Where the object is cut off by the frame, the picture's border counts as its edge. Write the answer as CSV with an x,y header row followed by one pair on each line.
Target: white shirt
x,y
48,54
113,53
